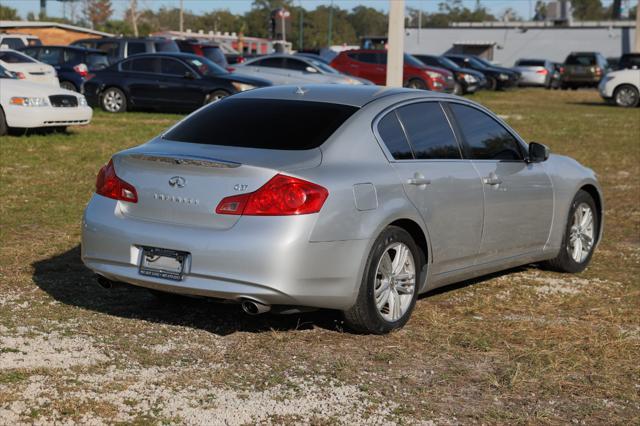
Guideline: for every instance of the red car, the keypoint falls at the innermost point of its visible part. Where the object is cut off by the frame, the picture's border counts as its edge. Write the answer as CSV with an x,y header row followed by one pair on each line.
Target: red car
x,y
372,65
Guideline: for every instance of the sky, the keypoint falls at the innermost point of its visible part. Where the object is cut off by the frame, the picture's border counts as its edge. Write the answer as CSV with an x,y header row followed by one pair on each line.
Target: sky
x,y
524,8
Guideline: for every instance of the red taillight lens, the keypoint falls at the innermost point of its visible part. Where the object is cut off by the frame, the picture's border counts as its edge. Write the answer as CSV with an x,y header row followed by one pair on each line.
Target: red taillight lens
x,y
542,71
81,69
108,184
20,75
281,196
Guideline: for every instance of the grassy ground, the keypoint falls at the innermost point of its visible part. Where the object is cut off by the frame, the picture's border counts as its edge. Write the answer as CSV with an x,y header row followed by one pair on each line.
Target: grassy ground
x,y
525,346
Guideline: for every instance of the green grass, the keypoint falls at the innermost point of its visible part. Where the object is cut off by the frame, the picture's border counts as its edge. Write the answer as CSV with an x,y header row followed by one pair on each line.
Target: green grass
x,y
496,350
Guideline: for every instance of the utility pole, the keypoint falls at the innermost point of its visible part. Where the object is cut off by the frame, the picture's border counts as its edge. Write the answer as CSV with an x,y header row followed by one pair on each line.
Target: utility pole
x,y
330,24
395,46
181,16
43,9
134,16
419,21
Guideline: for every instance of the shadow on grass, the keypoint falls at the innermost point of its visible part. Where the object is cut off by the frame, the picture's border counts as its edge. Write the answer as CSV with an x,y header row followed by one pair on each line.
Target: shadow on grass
x,y
65,278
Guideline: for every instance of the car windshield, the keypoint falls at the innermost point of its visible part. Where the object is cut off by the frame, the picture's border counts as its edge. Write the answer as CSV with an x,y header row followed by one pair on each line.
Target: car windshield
x,y
530,63
476,63
262,123
448,63
10,57
482,61
205,66
5,73
324,67
410,60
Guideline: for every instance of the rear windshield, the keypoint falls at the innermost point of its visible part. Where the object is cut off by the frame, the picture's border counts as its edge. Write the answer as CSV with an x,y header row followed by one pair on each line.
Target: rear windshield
x,y
585,60
263,123
530,63
214,53
14,58
167,46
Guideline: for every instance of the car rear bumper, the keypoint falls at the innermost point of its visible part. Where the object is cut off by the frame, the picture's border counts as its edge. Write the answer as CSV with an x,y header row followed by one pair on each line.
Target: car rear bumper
x,y
266,259
533,80
32,117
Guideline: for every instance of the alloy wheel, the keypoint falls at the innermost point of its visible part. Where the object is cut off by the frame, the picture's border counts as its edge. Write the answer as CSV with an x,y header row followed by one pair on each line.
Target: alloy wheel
x,y
112,101
626,96
395,282
581,233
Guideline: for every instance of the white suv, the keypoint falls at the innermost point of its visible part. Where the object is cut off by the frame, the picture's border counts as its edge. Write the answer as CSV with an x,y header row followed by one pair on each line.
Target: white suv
x,y
621,87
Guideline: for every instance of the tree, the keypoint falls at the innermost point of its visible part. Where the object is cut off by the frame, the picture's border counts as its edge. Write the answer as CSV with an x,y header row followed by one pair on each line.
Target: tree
x,y
368,21
588,10
541,11
9,14
97,12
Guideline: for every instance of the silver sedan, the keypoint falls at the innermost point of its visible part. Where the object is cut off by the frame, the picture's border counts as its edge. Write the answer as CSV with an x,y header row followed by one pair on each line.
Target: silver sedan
x,y
355,198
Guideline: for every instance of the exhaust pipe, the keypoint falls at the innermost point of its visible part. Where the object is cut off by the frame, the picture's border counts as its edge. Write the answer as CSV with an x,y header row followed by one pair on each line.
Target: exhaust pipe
x,y
254,308
107,283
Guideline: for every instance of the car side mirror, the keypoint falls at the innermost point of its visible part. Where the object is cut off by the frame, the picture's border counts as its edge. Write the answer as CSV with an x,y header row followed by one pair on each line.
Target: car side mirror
x,y
311,69
538,152
189,75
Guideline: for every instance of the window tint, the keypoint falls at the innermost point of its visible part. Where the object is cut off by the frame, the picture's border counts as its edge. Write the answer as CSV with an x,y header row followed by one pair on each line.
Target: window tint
x,y
14,58
97,61
49,55
296,64
12,42
269,62
215,54
369,58
393,137
486,138
429,132
135,47
530,63
73,57
166,46
140,65
173,67
273,124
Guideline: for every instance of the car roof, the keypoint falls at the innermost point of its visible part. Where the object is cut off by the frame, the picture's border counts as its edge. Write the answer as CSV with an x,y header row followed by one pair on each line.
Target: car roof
x,y
179,55
69,47
344,94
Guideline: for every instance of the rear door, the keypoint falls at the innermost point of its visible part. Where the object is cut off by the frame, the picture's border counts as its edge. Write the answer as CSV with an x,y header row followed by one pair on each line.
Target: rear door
x,y
142,77
176,89
367,65
444,187
518,196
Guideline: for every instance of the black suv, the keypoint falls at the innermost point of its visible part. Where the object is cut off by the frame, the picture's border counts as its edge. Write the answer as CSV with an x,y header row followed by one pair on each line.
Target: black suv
x,y
122,47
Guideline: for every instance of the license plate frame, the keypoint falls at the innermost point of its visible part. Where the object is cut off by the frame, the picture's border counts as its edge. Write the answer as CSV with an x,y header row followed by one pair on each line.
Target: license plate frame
x,y
170,263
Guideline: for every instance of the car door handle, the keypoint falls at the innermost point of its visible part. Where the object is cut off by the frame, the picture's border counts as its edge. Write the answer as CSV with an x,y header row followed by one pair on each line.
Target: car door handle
x,y
492,179
418,181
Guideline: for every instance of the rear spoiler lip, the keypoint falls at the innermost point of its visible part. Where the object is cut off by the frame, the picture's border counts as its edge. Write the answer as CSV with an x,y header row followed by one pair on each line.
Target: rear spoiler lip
x,y
180,159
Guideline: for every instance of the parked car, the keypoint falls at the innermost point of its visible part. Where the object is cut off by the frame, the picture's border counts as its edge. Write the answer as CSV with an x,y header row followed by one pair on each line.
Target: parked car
x,y
118,48
72,63
202,209
16,41
629,61
27,105
164,81
621,88
467,80
534,72
211,51
498,78
583,69
290,69
372,65
27,68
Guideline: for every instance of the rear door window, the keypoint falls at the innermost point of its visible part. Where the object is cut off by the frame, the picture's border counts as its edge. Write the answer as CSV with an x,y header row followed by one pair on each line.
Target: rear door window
x,y
296,64
263,123
392,135
368,58
429,132
145,65
135,47
485,138
269,62
172,67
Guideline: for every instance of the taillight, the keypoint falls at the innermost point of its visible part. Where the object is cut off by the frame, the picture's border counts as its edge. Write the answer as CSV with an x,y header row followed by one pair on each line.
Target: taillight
x,y
108,184
542,71
20,75
598,71
81,69
281,196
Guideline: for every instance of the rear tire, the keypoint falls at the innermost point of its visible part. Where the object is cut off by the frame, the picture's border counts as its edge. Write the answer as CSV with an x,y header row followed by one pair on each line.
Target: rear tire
x,y
572,258
389,286
4,129
67,85
113,100
416,83
626,96
492,83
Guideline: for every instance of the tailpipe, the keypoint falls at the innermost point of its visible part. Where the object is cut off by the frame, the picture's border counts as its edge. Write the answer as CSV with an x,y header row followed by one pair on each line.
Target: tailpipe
x,y
107,283
254,308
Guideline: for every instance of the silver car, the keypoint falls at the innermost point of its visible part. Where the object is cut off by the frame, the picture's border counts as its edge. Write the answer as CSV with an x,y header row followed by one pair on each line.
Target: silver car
x,y
290,69
534,72
355,198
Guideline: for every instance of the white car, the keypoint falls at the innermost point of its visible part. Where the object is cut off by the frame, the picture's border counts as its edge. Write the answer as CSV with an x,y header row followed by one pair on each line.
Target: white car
x,y
27,68
621,87
29,105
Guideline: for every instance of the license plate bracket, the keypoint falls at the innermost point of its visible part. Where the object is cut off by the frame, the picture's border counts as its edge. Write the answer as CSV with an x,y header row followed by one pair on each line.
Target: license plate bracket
x,y
163,263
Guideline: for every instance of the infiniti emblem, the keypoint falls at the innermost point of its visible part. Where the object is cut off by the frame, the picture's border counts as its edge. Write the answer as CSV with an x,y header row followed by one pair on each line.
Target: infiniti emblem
x,y
177,182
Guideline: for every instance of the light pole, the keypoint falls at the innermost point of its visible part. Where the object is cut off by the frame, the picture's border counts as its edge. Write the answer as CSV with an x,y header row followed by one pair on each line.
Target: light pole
x,y
330,24
395,45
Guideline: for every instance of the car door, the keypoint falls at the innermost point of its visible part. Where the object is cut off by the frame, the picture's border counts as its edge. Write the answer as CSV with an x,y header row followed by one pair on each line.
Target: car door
x,y
444,187
141,77
367,65
271,69
180,87
518,196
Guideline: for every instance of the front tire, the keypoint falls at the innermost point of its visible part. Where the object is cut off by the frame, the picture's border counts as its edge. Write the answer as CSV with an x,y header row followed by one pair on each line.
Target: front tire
x,y
416,83
492,83
4,129
67,85
389,286
626,96
580,236
113,100
458,89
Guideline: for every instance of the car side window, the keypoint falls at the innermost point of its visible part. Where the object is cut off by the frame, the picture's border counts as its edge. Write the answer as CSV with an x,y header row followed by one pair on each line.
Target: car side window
x,y
135,47
50,55
70,56
369,58
12,42
146,65
393,137
295,64
112,49
31,51
429,132
269,63
172,67
485,138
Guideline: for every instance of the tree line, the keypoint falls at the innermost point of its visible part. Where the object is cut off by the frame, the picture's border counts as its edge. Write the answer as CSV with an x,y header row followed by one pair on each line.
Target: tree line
x,y
307,28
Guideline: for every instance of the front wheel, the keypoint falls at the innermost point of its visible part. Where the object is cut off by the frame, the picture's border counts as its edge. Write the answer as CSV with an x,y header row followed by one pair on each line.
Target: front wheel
x,y
389,286
113,100
492,83
215,96
626,96
416,83
580,235
4,129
